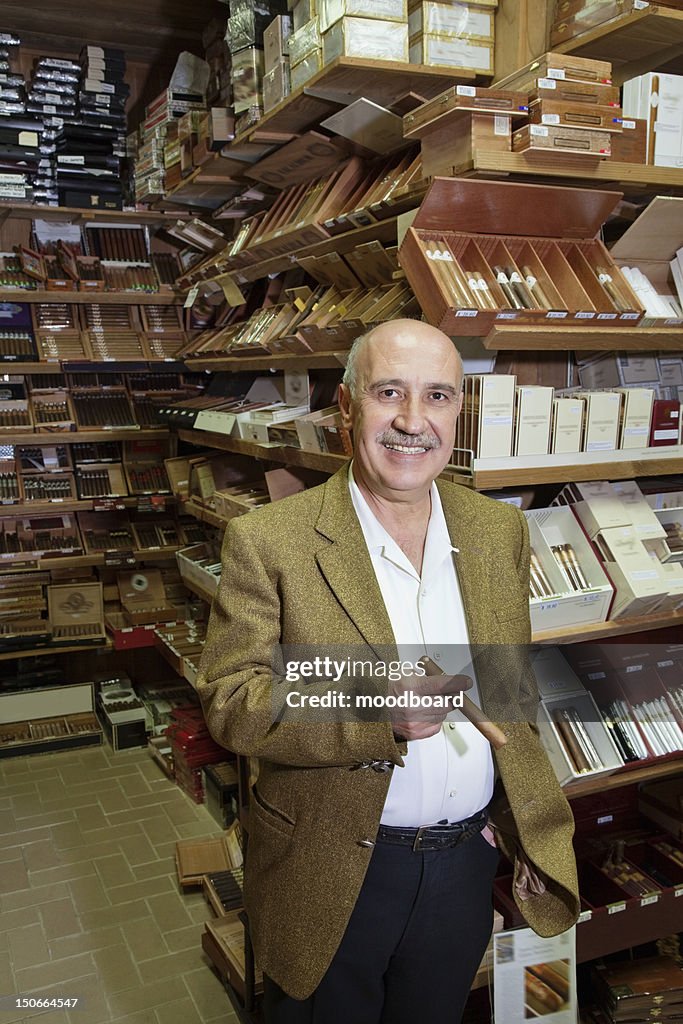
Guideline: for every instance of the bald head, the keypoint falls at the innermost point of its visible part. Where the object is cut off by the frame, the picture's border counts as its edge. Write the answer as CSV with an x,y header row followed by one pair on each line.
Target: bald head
x,y
395,339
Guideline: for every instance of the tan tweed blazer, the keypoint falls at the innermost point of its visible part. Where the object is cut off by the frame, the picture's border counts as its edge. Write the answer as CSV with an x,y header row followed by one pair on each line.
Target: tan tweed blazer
x,y
299,571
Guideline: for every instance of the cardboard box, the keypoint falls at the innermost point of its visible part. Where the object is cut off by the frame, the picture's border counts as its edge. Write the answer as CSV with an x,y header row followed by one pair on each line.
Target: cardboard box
x,y
550,531
276,84
364,37
601,429
449,52
303,42
276,40
630,145
533,409
514,226
658,98
640,586
330,11
650,245
636,416
597,505
456,21
485,424
567,425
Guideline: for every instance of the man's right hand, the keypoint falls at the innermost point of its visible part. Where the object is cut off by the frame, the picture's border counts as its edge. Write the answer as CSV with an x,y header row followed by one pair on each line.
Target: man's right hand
x,y
418,723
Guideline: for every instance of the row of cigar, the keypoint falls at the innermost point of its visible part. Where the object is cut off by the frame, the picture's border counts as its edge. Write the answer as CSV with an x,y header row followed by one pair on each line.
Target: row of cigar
x,y
469,282
625,873
578,745
650,719
127,245
65,316
73,631
9,487
47,488
51,412
568,564
16,343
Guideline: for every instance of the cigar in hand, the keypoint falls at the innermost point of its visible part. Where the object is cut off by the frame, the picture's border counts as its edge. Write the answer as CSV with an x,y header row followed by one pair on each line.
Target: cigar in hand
x,y
472,713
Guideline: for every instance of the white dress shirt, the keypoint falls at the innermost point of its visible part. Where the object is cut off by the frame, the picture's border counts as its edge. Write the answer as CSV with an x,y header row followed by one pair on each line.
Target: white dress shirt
x,y
449,775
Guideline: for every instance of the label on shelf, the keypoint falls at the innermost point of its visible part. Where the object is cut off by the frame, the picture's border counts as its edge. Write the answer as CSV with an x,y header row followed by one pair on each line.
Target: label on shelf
x,y
118,558
546,83
585,915
585,316
556,314
678,891
647,901
108,504
465,90
606,819
616,908
607,316
467,312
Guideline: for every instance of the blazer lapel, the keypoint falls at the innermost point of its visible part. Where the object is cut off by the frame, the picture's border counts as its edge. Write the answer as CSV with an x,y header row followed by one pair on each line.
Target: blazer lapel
x,y
347,567
472,564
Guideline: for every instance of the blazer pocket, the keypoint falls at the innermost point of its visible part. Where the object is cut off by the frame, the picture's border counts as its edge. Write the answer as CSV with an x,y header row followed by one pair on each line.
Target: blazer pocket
x,y
270,815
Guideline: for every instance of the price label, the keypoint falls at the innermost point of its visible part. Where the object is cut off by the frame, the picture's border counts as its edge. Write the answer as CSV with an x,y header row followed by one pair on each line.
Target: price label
x,y
466,312
466,90
647,901
191,296
585,915
118,558
616,908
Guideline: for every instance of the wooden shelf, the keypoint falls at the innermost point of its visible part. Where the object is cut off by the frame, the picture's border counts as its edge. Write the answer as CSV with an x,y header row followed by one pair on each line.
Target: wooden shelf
x,y
515,471
74,215
623,338
573,170
206,515
337,84
625,777
379,231
93,366
48,508
198,590
164,298
233,364
87,436
603,630
322,461
103,645
635,43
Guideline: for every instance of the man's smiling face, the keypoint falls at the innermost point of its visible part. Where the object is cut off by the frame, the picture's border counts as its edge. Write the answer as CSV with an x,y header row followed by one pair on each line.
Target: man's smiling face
x,y
403,412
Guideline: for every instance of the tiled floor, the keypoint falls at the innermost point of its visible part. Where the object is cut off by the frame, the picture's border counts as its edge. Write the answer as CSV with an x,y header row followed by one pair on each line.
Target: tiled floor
x,y
89,901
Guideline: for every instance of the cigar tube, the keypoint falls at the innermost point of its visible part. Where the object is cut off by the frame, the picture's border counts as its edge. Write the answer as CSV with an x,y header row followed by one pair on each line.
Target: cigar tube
x,y
458,274
585,740
447,281
519,287
551,977
541,575
540,997
578,572
485,290
570,741
571,570
662,719
474,290
658,727
535,288
557,555
605,279
472,713
668,718
622,716
510,295
651,735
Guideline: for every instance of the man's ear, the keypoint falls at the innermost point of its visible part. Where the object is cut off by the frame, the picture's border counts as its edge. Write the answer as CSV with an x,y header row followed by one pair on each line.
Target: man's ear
x,y
345,406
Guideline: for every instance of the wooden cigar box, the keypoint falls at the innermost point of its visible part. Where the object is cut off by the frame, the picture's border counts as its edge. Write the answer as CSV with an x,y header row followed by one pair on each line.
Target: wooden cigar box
x,y
546,139
582,17
48,488
76,612
630,145
143,598
445,151
452,106
538,237
561,66
567,91
561,113
53,411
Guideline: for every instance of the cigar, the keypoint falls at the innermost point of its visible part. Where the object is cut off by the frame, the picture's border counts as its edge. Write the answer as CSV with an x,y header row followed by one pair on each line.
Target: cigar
x,y
472,713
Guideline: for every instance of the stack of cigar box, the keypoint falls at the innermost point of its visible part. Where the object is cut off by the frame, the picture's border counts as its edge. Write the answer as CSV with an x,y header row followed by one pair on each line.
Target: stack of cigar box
x,y
276,79
193,748
201,564
23,604
647,990
456,35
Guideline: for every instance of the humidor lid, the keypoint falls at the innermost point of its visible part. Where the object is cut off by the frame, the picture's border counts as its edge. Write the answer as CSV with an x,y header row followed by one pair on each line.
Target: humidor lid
x,y
514,208
198,857
141,591
74,603
655,235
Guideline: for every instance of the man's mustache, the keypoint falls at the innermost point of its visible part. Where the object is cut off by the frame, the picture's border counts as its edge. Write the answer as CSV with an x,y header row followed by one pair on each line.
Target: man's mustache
x,y
408,440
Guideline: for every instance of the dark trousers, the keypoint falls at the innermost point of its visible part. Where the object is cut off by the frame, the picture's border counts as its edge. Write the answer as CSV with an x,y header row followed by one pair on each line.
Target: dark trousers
x,y
412,946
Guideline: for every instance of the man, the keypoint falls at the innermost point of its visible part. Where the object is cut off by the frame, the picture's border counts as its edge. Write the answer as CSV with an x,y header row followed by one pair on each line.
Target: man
x,y
360,914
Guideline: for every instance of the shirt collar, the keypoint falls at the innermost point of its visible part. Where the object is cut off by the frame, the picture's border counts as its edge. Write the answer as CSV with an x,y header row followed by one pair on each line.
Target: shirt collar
x,y
437,544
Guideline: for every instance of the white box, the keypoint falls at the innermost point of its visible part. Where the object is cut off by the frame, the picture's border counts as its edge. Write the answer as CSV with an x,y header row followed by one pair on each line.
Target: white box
x,y
597,505
330,11
640,585
363,37
549,527
567,425
637,369
486,422
659,99
638,510
459,20
533,409
583,704
452,53
602,420
636,415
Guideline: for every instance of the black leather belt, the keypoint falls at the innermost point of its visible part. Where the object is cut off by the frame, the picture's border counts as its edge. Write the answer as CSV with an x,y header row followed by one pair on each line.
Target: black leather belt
x,y
434,837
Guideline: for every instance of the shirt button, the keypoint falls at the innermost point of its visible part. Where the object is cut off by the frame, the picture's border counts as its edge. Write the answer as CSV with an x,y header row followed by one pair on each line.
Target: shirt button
x,y
437,655
451,725
424,593
452,793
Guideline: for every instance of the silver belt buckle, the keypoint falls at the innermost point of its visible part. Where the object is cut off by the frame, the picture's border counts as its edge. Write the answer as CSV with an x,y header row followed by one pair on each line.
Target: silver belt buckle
x,y
417,842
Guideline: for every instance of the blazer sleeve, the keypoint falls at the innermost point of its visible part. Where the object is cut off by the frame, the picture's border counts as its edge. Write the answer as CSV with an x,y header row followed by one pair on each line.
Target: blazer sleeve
x,y
239,690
